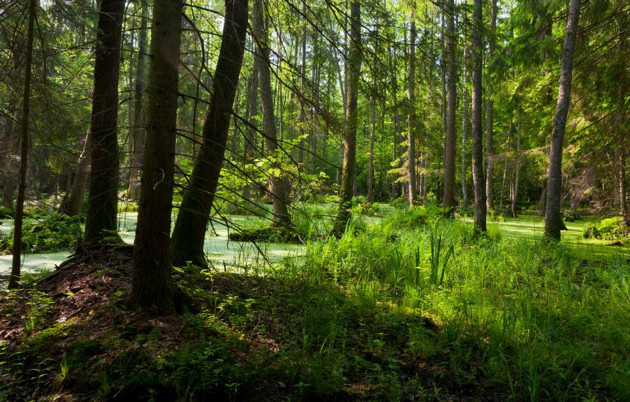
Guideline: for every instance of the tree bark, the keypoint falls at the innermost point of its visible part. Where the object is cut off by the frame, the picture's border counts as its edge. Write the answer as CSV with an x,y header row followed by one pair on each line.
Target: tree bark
x,y
477,131
24,140
138,128
449,143
490,110
279,182
72,202
194,214
411,119
151,282
553,217
353,71
622,126
100,225
370,191
464,116
517,168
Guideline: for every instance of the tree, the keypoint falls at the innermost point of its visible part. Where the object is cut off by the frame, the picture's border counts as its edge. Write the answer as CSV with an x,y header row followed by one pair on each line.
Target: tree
x,y
152,284
477,132
24,140
194,213
353,70
138,127
411,119
449,143
100,224
71,204
553,217
279,185
490,110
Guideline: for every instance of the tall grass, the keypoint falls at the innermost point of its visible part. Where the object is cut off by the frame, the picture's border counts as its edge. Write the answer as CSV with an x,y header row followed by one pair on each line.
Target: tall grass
x,y
532,319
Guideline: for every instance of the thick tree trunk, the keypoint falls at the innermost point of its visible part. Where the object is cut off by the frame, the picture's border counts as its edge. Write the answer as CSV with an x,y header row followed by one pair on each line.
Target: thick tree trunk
x,y
138,128
622,126
353,71
24,140
490,110
450,141
279,182
194,214
553,217
477,131
72,202
152,285
102,211
411,120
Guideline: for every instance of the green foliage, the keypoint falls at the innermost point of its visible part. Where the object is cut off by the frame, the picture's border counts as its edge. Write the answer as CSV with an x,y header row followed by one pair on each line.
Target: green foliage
x,y
47,233
608,229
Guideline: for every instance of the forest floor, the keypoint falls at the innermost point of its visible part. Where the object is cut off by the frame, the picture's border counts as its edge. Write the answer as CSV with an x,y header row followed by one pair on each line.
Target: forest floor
x,y
408,306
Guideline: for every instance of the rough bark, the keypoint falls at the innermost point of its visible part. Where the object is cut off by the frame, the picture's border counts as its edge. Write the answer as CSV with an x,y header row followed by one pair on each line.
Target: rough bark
x,y
72,202
151,284
622,125
517,168
194,214
251,111
553,216
450,141
490,111
100,224
138,127
24,140
353,71
411,118
477,131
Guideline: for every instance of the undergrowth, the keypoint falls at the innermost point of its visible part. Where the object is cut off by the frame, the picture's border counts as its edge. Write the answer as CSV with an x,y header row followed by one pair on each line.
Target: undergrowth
x,y
411,307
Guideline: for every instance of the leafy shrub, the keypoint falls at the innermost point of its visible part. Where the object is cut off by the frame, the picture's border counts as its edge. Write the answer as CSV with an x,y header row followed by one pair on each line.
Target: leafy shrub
x,y
48,233
608,229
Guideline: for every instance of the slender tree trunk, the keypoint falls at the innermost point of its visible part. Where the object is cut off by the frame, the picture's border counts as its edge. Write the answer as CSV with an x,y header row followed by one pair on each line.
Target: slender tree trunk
x,y
449,144
194,214
477,131
490,110
72,202
250,133
102,211
622,126
138,128
464,116
370,192
517,167
411,120
353,70
152,285
24,140
279,182
302,88
553,217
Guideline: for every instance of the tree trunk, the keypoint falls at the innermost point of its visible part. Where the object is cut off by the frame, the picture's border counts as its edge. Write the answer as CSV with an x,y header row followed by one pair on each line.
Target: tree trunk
x,y
449,143
411,122
194,214
553,217
490,110
622,126
370,191
517,167
138,128
464,116
24,140
100,224
279,182
353,71
302,88
151,284
250,133
477,131
72,202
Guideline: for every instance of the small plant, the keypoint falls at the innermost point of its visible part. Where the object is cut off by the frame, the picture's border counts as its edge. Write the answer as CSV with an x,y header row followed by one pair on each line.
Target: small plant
x,y
438,259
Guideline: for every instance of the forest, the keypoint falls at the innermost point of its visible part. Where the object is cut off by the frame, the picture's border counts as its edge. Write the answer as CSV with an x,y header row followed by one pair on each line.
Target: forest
x,y
314,200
